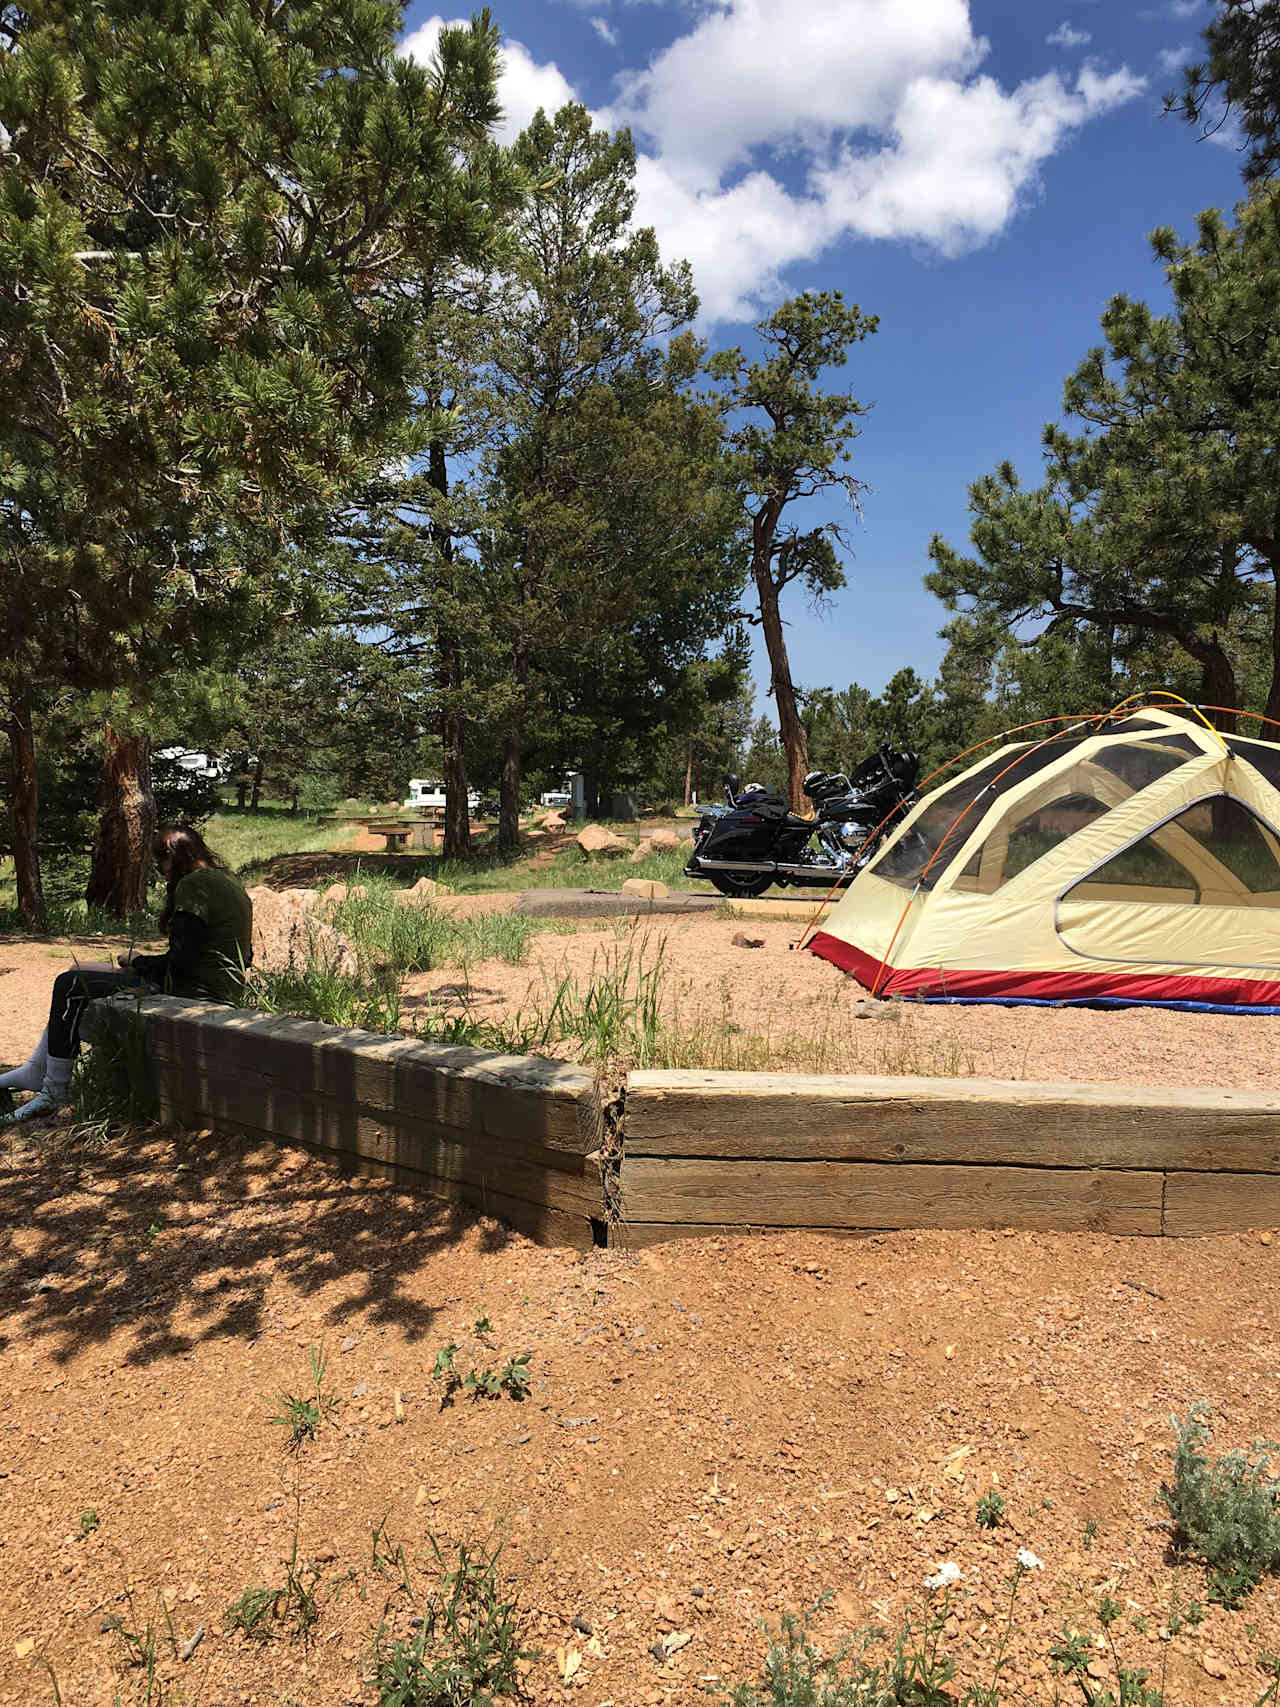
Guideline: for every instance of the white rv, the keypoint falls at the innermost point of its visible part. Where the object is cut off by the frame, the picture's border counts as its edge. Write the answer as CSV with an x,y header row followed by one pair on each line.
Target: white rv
x,y
429,795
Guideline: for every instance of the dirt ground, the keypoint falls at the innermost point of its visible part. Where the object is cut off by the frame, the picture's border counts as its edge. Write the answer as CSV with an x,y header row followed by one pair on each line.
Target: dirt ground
x,y
769,1006
718,1431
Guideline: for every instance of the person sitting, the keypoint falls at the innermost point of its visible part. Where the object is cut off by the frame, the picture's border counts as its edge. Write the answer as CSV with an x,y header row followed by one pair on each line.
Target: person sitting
x,y
209,921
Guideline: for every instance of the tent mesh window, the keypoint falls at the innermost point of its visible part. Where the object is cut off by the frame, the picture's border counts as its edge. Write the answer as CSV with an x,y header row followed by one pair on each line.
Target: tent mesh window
x,y
954,812
1140,763
1215,853
1030,838
1264,756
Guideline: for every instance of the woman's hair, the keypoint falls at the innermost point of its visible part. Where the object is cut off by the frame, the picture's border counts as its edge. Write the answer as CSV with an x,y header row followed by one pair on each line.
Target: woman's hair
x,y
186,850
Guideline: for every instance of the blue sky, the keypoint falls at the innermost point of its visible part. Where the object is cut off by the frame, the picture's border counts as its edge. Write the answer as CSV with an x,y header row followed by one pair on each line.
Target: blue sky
x,y
982,174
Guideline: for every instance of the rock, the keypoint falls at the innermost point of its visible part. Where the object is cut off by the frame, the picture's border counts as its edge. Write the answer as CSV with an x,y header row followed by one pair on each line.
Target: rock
x,y
870,1008
1213,1663
287,936
596,839
341,892
421,893
646,886
305,898
552,821
663,841
739,940
643,850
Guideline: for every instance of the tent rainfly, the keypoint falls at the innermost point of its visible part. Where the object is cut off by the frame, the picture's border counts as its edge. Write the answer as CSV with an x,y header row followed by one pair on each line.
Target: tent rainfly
x,y
1128,859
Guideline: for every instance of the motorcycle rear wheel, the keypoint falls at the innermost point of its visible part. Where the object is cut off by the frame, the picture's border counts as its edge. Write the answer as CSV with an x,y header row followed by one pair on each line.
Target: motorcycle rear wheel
x,y
740,888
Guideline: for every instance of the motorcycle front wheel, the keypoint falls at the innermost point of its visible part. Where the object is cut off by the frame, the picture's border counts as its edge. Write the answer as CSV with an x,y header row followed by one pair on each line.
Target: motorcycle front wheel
x,y
740,888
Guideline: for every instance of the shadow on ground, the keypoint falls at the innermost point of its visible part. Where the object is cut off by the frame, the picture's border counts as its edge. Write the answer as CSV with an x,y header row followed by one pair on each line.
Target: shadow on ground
x,y
179,1237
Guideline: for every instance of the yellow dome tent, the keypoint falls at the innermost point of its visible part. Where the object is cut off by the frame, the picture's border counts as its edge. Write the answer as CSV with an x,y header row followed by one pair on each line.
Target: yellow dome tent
x,y
1133,857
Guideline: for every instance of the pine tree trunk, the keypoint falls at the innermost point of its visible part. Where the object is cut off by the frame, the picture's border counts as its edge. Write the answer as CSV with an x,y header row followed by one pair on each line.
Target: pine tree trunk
x,y
242,791
457,817
1271,731
1218,686
790,728
257,784
24,804
509,810
122,858
688,775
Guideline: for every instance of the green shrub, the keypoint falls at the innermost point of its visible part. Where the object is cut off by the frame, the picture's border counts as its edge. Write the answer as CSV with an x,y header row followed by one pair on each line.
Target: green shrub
x,y
318,991
1226,1512
468,1648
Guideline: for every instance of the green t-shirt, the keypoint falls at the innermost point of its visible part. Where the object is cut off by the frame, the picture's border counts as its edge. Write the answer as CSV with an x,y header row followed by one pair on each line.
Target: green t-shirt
x,y
219,899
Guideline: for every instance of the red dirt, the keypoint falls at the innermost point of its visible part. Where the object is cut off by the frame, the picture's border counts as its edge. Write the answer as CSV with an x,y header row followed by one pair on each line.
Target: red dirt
x,y
719,1430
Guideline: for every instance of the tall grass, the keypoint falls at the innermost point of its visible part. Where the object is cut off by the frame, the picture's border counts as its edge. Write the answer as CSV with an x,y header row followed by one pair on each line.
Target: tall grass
x,y
406,939
248,840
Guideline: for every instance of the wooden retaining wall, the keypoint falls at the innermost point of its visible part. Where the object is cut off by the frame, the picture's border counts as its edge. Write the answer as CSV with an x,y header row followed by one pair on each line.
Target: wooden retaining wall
x,y
710,1151
515,1136
521,1138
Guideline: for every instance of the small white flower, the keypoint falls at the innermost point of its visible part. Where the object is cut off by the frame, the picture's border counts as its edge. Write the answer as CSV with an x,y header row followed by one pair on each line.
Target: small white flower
x,y
946,1574
1028,1560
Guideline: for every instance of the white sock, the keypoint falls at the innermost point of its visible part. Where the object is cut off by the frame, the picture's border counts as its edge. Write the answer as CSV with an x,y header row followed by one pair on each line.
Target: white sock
x,y
30,1076
51,1095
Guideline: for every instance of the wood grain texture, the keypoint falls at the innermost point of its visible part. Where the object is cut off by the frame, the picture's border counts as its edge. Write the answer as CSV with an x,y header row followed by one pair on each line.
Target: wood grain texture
x,y
502,1095
543,1223
1019,1123
873,1195
1199,1203
447,1154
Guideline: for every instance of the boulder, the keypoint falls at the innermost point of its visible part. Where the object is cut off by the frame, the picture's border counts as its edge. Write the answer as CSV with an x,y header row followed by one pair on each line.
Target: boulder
x,y
552,821
646,886
421,894
288,936
305,898
643,850
595,839
664,841
341,892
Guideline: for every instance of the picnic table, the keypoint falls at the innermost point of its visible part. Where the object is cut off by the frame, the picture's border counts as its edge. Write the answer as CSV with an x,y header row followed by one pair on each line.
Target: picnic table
x,y
405,832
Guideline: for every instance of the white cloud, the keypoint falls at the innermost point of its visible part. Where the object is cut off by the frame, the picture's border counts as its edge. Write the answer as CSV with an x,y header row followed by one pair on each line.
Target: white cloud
x,y
788,72
1174,58
1184,8
773,128
524,85
605,30
1066,36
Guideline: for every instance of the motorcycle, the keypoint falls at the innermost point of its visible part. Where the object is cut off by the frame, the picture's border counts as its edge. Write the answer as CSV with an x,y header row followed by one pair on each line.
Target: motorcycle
x,y
755,840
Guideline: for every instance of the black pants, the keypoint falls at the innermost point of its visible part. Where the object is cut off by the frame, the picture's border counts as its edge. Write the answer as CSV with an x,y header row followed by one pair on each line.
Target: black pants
x,y
72,993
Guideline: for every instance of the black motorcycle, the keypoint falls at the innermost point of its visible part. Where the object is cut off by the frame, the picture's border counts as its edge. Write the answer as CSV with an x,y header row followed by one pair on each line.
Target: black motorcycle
x,y
756,840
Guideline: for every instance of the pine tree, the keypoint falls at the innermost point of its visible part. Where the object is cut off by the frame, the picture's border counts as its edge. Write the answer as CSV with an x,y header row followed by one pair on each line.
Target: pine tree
x,y
1159,517
792,445
215,221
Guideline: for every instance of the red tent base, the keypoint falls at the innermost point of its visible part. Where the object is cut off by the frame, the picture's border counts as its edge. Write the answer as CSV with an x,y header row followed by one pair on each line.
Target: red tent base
x,y
925,982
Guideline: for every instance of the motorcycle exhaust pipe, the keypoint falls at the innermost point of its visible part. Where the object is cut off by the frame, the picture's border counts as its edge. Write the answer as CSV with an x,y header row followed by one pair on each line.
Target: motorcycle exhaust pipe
x,y
778,870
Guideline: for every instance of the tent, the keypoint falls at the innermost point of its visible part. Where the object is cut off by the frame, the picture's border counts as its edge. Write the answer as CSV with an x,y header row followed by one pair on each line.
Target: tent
x,y
1128,858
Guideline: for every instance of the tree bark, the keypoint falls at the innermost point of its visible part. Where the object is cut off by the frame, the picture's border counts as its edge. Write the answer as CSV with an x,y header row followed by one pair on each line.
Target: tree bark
x,y
688,774
257,784
24,805
509,809
242,791
457,816
1271,730
790,728
1218,686
122,858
